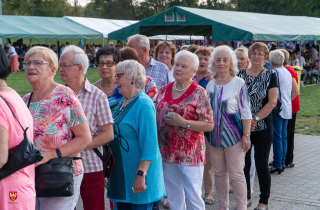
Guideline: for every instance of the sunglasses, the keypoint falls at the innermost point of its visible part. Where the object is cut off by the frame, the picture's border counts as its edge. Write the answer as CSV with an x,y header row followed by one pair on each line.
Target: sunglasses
x,y
108,63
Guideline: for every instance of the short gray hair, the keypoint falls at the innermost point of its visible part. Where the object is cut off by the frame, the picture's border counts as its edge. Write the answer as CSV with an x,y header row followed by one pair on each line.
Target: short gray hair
x,y
232,56
194,60
133,70
142,41
277,57
80,57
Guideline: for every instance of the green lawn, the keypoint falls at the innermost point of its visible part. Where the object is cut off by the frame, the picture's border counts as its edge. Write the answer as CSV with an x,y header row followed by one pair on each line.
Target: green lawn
x,y
308,119
19,82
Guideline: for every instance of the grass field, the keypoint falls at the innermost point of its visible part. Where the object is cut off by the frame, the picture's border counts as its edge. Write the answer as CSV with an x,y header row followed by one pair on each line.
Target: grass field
x,y
308,119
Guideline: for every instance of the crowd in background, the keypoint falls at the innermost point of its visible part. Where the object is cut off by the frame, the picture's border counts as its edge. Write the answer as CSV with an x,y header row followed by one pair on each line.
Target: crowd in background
x,y
175,119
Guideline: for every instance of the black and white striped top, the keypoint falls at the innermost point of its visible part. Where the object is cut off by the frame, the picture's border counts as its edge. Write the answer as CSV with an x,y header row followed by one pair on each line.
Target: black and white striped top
x,y
259,91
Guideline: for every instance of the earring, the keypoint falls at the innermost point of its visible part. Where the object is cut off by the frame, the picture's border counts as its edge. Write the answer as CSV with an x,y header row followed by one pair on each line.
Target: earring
x,y
131,83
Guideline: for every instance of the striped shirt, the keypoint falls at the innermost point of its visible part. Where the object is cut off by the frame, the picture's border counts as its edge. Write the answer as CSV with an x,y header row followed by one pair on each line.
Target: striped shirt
x,y
96,108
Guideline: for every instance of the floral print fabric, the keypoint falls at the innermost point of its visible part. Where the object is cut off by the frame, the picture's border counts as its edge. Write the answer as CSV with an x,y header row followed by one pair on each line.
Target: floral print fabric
x,y
181,145
53,117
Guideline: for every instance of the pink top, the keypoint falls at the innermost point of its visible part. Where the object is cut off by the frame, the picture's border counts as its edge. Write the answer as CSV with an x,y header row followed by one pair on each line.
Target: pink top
x,y
17,190
53,117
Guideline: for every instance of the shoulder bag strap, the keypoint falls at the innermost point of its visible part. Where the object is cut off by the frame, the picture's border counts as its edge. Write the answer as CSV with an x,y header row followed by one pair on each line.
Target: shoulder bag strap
x,y
278,84
12,112
28,104
250,87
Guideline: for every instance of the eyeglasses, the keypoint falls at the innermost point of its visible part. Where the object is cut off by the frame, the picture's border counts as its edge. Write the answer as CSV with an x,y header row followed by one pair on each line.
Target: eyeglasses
x,y
259,54
36,63
108,63
67,66
117,75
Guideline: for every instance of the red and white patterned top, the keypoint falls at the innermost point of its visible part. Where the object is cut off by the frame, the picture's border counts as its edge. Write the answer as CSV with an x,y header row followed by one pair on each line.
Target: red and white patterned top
x,y
97,110
180,145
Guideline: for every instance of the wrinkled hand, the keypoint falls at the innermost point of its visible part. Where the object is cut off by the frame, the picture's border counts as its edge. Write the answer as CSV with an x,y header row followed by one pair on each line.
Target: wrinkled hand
x,y
175,120
253,124
46,157
209,76
245,143
139,184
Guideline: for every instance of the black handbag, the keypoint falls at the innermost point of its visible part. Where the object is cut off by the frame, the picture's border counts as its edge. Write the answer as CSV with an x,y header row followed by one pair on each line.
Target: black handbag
x,y
54,178
277,109
107,159
22,155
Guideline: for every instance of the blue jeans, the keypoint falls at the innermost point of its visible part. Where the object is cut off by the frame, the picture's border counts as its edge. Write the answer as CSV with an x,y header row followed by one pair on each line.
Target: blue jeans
x,y
131,206
279,141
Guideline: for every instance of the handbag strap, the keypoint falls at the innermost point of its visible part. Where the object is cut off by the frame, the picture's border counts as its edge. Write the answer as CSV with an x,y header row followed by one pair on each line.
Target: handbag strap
x,y
28,104
13,113
278,84
250,87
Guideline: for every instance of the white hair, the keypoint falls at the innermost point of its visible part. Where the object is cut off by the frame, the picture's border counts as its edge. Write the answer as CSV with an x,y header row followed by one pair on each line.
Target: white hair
x,y
80,56
142,41
277,57
232,55
133,70
193,58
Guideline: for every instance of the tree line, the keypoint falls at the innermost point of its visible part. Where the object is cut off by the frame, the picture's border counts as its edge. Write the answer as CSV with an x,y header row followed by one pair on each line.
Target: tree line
x,y
141,9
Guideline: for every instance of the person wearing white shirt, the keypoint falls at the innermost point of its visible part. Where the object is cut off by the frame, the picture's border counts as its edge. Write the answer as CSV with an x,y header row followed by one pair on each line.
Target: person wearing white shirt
x,y
287,92
14,63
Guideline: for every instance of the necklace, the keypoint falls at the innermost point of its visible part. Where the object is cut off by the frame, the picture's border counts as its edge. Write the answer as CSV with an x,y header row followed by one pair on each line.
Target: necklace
x,y
106,91
119,109
175,87
131,97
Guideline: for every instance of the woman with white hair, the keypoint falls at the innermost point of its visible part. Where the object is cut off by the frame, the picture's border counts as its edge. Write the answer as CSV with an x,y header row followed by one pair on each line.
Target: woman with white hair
x,y
60,126
137,180
229,140
280,122
14,63
183,114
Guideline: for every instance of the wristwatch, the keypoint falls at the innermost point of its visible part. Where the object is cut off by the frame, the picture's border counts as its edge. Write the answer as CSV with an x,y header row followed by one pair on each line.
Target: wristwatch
x,y
58,153
188,125
141,173
256,118
247,135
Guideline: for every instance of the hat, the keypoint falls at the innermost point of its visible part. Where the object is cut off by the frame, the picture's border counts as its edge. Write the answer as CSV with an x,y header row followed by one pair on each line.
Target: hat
x,y
17,47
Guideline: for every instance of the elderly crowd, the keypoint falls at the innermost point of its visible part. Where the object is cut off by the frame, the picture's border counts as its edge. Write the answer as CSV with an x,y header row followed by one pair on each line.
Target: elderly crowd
x,y
174,122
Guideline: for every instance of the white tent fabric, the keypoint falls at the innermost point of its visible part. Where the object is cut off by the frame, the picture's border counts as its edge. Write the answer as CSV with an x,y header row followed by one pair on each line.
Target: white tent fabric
x,y
175,37
104,26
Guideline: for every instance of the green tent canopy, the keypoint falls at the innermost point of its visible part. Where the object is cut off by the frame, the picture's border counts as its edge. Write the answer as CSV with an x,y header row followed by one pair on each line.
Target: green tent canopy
x,y
43,27
224,25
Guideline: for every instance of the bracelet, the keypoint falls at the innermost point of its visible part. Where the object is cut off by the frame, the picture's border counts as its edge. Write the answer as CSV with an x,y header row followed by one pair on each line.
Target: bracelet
x,y
58,153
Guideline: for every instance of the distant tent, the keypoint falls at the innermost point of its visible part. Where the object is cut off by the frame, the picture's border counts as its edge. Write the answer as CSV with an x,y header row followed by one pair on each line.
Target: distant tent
x,y
43,27
173,37
104,26
224,25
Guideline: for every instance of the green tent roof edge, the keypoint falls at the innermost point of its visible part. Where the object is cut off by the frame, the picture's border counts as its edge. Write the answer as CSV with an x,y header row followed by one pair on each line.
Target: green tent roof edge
x,y
45,32
220,31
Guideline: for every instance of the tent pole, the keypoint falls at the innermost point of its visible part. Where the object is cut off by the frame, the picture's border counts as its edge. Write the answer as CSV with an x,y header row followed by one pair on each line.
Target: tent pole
x,y
300,53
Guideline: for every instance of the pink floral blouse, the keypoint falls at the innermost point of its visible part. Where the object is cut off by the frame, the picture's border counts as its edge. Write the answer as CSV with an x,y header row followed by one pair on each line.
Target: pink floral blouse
x,y
181,145
53,117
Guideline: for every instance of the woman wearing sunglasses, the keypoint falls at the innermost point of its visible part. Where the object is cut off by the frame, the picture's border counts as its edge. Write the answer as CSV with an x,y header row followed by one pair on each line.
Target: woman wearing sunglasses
x,y
107,58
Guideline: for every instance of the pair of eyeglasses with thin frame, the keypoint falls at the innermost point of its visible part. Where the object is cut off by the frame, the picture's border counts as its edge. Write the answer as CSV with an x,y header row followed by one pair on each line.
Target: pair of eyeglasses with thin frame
x,y
35,63
117,75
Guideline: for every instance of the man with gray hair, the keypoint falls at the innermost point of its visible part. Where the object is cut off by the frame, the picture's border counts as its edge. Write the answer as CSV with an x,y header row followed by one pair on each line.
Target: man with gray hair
x,y
73,66
158,71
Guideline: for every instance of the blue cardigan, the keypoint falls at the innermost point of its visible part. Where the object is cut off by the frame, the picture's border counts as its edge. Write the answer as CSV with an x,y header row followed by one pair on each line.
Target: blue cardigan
x,y
138,142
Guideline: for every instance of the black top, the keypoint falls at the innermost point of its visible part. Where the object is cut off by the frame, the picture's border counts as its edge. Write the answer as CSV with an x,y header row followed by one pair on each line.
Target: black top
x,y
259,91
